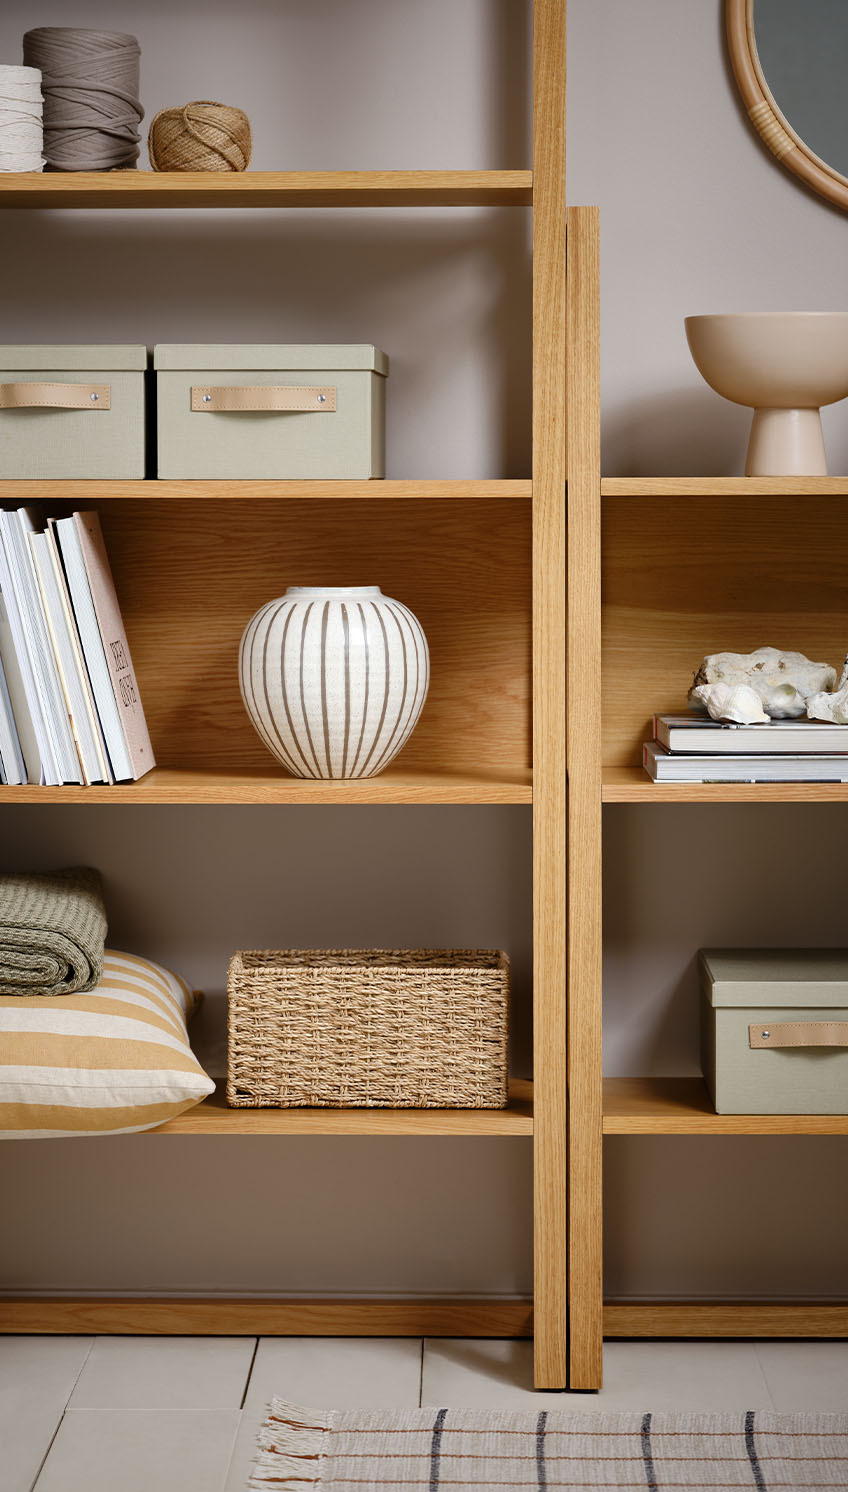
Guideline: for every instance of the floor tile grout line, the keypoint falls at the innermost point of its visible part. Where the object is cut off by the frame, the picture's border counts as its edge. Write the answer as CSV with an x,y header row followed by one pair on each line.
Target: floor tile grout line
x,y
762,1367
59,1422
252,1364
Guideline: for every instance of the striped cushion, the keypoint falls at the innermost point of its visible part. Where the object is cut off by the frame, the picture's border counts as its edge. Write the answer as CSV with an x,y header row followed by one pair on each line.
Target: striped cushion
x,y
112,1061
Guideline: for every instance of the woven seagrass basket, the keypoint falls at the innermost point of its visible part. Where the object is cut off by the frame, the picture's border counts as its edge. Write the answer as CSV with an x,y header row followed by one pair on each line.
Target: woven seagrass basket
x,y
382,1028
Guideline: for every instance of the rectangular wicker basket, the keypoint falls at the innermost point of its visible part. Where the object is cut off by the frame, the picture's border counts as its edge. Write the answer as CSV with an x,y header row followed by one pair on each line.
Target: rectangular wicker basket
x,y
379,1028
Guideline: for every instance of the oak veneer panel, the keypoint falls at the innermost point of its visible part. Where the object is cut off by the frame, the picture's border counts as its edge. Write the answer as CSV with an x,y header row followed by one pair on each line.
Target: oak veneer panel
x,y
724,487
214,1117
685,579
661,1319
584,803
268,784
92,493
633,785
189,581
681,1106
269,1318
549,808
267,189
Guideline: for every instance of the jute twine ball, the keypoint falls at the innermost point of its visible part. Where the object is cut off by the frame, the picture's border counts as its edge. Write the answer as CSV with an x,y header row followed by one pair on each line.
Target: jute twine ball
x,y
201,136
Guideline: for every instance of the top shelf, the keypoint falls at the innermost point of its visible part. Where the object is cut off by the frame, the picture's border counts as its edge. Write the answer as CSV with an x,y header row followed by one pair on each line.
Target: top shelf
x,y
267,189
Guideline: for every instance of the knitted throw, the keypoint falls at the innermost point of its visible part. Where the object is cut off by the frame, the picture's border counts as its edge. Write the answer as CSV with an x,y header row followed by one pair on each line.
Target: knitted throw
x,y
52,931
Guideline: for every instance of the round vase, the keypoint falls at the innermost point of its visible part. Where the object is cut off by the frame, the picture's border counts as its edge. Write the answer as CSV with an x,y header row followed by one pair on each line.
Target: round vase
x,y
334,678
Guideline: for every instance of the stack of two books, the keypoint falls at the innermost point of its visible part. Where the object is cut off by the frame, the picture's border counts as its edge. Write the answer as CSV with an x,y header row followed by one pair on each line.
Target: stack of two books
x,y
69,705
693,748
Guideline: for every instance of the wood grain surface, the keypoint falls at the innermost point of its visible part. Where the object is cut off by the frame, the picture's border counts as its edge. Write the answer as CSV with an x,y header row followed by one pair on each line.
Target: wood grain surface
x,y
682,1106
682,580
189,581
267,189
268,1318
549,805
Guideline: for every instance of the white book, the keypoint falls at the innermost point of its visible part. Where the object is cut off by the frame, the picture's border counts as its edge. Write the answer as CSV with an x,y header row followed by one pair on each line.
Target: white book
x,y
92,647
11,759
10,586
662,766
16,529
697,733
17,692
73,674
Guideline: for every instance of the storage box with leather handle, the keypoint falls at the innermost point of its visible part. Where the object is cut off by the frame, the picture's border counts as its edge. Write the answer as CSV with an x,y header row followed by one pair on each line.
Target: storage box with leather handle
x,y
271,412
775,1029
72,411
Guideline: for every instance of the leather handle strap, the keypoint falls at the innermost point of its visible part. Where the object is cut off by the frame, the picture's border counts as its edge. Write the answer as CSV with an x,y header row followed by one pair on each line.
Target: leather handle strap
x,y
798,1033
55,395
262,399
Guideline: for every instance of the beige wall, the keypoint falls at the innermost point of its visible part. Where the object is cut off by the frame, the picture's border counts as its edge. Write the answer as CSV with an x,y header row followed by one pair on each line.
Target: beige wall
x,y
694,217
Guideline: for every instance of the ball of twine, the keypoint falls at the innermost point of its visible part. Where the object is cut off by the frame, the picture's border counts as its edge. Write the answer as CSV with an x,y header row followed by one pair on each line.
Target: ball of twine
x,y
201,136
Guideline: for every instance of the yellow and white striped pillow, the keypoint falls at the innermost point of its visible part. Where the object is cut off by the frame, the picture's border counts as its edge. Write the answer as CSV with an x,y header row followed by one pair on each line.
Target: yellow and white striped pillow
x,y
112,1061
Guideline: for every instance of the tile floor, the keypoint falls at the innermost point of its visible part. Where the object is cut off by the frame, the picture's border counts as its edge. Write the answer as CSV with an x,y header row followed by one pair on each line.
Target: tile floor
x,y
178,1414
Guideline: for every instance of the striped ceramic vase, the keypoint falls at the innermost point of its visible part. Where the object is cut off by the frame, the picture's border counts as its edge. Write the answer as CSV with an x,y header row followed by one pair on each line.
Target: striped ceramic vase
x,y
334,678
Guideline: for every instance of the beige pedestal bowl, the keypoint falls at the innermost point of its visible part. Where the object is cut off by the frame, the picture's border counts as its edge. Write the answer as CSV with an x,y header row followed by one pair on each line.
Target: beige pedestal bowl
x,y
784,365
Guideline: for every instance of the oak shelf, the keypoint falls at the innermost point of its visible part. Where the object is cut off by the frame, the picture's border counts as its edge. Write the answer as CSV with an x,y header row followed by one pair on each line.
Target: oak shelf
x,y
724,487
681,1106
214,1117
268,189
395,785
157,490
633,785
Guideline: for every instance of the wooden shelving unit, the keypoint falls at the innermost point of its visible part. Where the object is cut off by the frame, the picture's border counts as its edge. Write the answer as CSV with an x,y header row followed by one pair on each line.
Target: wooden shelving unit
x,y
481,563
681,1106
689,565
95,493
195,785
309,189
633,785
213,1117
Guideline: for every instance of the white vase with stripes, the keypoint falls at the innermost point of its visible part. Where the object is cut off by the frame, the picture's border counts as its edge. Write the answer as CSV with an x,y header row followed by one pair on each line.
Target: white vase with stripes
x,y
334,679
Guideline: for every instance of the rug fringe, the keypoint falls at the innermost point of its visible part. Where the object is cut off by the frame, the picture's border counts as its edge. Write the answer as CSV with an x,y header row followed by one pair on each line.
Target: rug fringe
x,y
290,1449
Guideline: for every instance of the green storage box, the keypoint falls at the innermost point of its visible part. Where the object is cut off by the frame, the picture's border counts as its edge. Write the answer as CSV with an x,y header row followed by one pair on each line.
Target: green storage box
x,y
271,412
775,1030
72,412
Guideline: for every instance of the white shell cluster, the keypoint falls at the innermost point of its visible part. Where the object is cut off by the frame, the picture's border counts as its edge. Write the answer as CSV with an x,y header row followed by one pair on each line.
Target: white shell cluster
x,y
832,707
768,684
334,679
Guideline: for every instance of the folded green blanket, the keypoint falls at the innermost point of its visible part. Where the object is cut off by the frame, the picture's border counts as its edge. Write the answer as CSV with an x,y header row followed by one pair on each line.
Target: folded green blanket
x,y
52,931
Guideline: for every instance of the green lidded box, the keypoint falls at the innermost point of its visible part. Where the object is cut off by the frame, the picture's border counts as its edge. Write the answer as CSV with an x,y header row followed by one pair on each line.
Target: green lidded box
x,y
74,411
271,412
775,1029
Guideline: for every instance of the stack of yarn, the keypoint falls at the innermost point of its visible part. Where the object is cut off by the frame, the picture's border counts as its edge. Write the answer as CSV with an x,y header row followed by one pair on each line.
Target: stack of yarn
x,y
21,133
91,104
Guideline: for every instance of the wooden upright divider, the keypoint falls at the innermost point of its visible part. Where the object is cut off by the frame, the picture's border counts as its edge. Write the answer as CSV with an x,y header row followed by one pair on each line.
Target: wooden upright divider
x,y
549,840
583,712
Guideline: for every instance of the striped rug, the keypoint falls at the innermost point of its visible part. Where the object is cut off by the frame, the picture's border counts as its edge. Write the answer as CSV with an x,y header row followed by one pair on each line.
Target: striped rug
x,y
438,1450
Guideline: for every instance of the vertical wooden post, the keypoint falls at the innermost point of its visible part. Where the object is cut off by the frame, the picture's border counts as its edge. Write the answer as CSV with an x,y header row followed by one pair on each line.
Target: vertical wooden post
x,y
583,714
549,837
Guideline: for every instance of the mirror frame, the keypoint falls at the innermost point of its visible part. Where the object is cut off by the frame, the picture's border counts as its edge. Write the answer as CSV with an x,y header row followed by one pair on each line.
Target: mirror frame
x,y
774,130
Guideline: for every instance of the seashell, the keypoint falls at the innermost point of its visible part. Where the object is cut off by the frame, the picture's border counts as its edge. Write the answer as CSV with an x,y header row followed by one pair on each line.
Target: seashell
x,y
832,707
736,702
783,681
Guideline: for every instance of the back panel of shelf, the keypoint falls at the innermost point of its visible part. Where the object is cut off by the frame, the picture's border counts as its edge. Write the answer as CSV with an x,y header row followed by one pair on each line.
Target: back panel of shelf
x,y
686,578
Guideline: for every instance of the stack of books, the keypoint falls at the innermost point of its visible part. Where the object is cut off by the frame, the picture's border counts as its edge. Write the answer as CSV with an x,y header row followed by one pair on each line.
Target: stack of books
x,y
70,710
693,748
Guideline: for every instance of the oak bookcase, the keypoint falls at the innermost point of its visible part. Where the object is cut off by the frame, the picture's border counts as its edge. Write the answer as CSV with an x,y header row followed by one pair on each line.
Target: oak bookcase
x,y
494,729
663,570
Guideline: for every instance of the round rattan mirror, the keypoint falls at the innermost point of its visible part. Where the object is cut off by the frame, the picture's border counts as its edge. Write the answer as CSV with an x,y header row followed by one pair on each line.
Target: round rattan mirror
x,y
789,59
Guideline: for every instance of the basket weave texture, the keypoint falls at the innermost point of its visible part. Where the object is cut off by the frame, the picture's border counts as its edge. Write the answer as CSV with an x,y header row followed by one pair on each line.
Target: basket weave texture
x,y
382,1028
